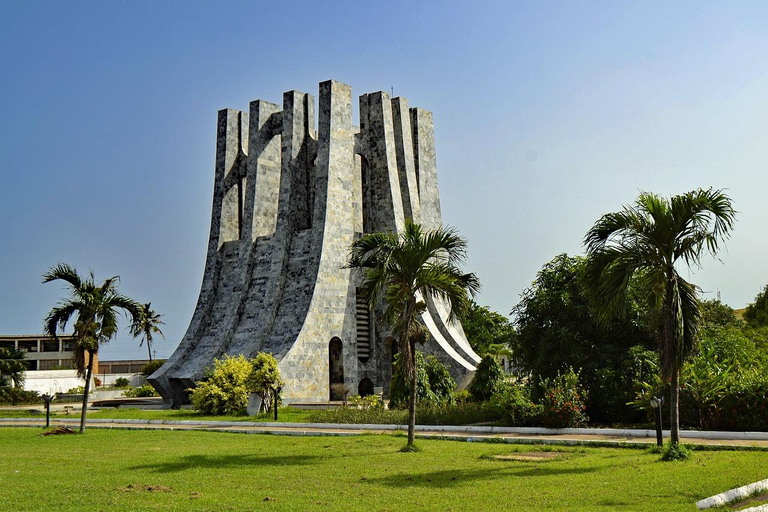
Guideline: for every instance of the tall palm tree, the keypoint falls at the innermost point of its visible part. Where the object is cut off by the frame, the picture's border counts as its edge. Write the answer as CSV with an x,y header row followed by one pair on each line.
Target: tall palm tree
x,y
147,325
402,269
12,367
95,307
649,240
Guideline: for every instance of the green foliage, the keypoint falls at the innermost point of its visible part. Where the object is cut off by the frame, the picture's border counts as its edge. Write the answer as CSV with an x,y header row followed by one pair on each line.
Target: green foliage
x,y
563,401
77,390
152,366
366,402
485,328
122,382
756,313
264,378
426,414
440,381
143,391
556,327
226,391
674,452
18,396
513,403
12,367
489,376
716,314
400,388
146,326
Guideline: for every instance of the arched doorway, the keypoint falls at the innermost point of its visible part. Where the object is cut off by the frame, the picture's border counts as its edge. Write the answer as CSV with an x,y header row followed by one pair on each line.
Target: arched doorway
x,y
335,368
365,387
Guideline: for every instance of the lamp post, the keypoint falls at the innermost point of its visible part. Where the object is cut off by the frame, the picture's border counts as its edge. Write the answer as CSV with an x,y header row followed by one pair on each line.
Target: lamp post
x,y
656,403
48,397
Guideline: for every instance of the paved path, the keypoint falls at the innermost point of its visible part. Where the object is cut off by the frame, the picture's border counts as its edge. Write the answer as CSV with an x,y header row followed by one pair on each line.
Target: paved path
x,y
620,437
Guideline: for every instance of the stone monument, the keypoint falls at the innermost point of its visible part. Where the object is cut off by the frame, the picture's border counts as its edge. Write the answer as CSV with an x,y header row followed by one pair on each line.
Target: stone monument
x,y
288,201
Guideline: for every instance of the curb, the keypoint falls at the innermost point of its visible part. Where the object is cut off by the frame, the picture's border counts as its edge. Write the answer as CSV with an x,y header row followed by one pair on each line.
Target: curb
x,y
740,493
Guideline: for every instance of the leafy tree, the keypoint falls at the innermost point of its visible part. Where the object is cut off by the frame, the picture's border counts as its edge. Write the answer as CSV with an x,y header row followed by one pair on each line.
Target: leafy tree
x,y
225,391
486,330
95,306
489,376
556,327
147,326
402,269
756,313
265,378
152,367
647,240
12,367
716,314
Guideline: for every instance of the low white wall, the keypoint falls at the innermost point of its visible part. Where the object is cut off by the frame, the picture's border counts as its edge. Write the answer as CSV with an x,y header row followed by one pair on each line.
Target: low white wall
x,y
52,381
108,379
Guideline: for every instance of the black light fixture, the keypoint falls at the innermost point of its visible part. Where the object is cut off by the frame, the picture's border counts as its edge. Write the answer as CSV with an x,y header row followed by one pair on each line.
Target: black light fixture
x,y
656,403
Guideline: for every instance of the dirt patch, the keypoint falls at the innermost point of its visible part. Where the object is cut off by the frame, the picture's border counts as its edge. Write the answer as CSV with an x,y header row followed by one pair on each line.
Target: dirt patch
x,y
754,501
146,488
58,431
529,456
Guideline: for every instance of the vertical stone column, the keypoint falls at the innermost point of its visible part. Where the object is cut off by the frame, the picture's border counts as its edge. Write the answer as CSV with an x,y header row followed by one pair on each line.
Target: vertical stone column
x,y
263,181
409,187
297,179
227,192
426,167
384,210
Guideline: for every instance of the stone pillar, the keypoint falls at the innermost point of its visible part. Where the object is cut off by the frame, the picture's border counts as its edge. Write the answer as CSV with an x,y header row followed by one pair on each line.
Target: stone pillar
x,y
381,182
426,168
409,187
263,182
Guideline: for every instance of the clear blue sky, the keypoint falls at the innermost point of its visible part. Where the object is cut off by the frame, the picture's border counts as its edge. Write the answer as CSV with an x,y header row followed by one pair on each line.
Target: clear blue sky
x,y
547,115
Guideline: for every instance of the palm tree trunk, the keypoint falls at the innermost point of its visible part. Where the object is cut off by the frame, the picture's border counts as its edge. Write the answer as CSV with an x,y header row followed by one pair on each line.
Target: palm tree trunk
x,y
674,409
86,391
412,410
149,350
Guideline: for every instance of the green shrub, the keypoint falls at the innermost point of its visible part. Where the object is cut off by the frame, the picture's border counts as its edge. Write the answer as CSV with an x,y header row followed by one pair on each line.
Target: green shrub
x,y
78,390
672,452
152,367
226,391
264,378
513,403
17,396
141,392
562,403
122,382
460,397
426,414
400,389
488,377
440,381
366,402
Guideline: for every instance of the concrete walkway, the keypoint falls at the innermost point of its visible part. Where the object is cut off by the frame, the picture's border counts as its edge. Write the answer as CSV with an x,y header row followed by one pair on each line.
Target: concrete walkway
x,y
522,435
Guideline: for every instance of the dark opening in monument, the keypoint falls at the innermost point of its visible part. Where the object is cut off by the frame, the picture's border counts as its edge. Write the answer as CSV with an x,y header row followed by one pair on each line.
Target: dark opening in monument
x,y
365,387
335,367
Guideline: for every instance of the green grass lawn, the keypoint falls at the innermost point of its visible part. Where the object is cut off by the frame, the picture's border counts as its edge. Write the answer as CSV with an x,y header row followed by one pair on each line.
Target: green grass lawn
x,y
285,414
187,470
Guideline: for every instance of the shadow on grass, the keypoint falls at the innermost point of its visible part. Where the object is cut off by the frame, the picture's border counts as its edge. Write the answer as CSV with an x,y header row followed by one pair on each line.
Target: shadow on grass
x,y
226,462
452,477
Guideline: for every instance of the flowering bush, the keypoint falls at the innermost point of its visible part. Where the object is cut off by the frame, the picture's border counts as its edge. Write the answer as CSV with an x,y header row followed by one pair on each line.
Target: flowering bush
x,y
563,401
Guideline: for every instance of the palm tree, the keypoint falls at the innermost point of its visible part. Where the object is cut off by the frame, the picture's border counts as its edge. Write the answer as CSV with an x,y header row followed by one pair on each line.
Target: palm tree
x,y
402,269
646,242
147,326
95,307
12,367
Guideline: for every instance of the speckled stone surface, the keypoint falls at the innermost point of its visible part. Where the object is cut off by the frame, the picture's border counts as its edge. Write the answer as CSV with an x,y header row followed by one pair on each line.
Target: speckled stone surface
x,y
288,202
